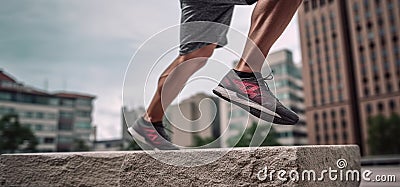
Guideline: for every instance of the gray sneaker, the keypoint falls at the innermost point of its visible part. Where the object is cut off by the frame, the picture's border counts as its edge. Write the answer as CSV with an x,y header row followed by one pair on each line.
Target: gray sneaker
x,y
152,133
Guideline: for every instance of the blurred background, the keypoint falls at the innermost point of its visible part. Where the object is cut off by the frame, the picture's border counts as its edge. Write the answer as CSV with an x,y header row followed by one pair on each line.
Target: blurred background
x,y
63,63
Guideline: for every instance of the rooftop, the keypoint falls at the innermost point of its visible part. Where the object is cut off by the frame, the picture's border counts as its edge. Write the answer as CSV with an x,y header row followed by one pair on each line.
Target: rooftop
x,y
8,83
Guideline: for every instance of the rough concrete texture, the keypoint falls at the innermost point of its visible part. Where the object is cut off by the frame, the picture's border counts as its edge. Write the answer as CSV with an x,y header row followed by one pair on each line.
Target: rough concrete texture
x,y
238,167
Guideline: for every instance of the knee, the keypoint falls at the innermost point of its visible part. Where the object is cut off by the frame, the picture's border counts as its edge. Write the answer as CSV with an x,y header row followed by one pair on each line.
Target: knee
x,y
194,63
198,58
204,52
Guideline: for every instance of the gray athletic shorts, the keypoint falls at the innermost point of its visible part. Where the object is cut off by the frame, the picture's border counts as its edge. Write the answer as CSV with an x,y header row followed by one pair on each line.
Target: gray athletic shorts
x,y
204,22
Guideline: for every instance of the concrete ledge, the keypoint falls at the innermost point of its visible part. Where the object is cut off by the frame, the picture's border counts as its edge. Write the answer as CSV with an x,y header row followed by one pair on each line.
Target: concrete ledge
x,y
238,167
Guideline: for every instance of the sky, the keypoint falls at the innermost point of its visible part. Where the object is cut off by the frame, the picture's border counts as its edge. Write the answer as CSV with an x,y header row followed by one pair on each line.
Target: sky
x,y
87,46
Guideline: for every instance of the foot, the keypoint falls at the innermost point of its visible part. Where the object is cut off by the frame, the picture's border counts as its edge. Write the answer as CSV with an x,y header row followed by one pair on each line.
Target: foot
x,y
153,134
253,94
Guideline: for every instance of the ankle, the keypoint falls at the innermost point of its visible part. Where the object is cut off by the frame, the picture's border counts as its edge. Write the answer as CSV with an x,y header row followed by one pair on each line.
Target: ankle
x,y
242,74
149,119
245,70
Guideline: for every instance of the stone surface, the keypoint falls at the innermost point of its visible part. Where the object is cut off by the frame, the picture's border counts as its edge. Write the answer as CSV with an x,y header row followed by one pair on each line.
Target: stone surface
x,y
239,167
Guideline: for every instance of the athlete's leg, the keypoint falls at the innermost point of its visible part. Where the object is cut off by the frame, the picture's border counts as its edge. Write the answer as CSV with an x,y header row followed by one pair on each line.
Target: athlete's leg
x,y
268,21
173,79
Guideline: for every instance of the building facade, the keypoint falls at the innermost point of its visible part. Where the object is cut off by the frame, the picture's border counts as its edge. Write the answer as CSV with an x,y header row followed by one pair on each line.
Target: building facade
x,y
289,90
198,116
351,67
108,145
61,121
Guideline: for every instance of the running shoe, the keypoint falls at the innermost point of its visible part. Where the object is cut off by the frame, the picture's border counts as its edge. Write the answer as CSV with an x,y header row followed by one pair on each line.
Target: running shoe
x,y
152,133
254,95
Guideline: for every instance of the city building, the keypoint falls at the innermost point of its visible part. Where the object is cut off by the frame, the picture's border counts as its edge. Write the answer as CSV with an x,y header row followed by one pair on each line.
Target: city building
x,y
351,67
289,90
198,116
108,145
61,121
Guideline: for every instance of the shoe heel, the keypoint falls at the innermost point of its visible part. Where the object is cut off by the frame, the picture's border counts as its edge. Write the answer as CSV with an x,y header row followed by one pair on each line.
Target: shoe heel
x,y
139,139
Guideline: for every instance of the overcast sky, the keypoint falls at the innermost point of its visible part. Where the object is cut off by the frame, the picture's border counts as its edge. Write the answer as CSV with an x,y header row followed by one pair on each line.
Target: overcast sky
x,y
86,46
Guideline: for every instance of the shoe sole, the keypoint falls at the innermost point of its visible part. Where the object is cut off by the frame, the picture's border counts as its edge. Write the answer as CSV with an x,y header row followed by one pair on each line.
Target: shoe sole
x,y
138,137
255,108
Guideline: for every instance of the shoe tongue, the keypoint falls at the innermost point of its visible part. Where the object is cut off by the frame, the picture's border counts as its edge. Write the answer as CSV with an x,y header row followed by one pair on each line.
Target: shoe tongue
x,y
258,75
158,124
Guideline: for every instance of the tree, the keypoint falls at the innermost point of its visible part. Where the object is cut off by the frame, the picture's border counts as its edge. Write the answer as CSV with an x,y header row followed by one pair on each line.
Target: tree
x,y
249,134
208,142
132,146
14,137
383,134
80,145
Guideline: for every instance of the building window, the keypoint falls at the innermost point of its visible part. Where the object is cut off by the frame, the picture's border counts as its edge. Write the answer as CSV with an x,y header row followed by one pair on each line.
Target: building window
x,y
306,6
84,102
65,114
377,89
380,107
390,5
83,125
48,140
345,136
358,28
368,108
368,14
355,7
315,116
376,77
392,105
333,113
342,112
366,4
372,45
335,137
65,139
39,115
366,91
324,115
38,127
371,35
389,87
67,102
314,4
387,75
326,138
321,2
344,124
365,80
5,96
85,114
